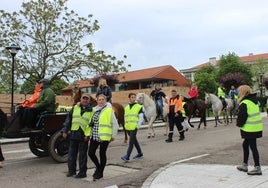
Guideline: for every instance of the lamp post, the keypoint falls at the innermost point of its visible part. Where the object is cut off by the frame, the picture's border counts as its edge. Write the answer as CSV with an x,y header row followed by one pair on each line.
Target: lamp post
x,y
13,50
261,90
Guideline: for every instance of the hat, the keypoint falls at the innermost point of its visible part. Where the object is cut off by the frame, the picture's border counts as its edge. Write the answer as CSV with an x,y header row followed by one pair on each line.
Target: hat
x,y
85,95
45,81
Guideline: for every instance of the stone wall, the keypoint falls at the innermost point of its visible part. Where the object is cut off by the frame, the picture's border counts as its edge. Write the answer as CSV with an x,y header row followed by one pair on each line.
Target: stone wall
x,y
118,97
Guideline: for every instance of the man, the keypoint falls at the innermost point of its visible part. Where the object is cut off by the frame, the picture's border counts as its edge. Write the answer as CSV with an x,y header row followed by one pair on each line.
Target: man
x,y
158,94
221,94
45,102
174,109
77,123
133,120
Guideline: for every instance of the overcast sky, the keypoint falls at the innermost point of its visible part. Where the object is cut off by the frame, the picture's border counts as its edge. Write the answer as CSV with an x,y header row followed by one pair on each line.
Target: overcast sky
x,y
181,33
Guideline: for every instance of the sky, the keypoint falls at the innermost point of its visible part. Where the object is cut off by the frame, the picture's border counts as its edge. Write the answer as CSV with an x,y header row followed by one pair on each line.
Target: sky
x,y
181,33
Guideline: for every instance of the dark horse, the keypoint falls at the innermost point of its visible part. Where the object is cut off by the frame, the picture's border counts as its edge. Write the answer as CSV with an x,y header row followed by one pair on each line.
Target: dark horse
x,y
201,111
119,110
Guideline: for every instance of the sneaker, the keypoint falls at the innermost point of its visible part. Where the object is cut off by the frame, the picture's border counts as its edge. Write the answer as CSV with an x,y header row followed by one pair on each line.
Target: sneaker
x,y
168,140
80,176
138,156
243,167
125,158
255,171
97,176
70,174
181,138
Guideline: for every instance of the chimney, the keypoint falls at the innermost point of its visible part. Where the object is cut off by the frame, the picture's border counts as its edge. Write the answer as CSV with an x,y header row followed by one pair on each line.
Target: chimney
x,y
250,54
212,61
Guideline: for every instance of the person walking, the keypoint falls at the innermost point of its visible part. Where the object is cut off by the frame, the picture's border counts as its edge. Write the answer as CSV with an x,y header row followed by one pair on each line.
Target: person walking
x,y
174,109
104,89
104,127
133,120
77,123
1,158
250,122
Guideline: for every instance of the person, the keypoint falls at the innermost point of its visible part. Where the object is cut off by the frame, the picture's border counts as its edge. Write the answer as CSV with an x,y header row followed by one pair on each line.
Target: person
x,y
133,120
104,89
45,102
104,127
174,109
157,95
221,94
233,94
250,122
193,94
77,123
1,158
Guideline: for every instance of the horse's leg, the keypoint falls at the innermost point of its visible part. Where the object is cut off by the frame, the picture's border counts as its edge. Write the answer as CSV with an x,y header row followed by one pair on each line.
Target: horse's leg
x,y
216,120
150,128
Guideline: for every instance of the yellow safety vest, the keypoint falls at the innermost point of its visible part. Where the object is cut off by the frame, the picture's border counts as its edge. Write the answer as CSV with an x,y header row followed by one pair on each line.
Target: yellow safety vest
x,y
183,110
81,121
132,116
254,120
105,124
221,93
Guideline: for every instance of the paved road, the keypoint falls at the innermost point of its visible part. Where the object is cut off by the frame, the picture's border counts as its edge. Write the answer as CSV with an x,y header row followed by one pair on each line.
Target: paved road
x,y
220,145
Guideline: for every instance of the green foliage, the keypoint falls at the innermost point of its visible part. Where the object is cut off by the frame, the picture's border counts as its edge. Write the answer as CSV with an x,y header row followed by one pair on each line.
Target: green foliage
x,y
230,63
58,85
54,41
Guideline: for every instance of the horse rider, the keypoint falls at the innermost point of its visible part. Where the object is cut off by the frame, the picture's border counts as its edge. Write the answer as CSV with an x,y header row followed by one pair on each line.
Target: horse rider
x,y
233,94
221,94
158,94
193,94
174,109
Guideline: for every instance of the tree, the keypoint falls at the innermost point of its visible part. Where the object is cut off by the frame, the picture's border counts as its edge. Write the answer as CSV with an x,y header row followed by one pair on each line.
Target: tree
x,y
230,63
235,79
54,42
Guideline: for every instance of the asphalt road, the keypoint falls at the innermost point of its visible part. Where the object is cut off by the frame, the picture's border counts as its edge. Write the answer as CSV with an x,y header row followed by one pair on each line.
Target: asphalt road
x,y
219,145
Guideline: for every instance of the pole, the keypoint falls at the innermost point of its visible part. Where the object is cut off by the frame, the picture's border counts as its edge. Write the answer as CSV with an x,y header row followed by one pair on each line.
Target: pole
x,y
12,84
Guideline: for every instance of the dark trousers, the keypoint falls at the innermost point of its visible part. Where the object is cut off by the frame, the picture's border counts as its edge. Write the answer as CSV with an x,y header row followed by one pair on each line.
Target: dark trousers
x,y
29,117
1,155
252,144
93,146
76,147
133,142
172,120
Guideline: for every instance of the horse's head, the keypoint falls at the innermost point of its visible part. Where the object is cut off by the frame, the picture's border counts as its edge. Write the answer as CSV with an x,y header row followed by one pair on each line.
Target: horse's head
x,y
140,98
207,98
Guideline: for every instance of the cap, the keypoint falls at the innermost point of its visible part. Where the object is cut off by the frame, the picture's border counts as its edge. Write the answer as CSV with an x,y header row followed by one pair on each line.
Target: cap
x,y
85,95
44,81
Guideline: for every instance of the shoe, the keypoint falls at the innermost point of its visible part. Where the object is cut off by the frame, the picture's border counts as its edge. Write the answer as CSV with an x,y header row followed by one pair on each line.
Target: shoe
x,y
97,176
243,167
168,140
125,158
80,176
70,174
255,171
181,138
1,164
138,156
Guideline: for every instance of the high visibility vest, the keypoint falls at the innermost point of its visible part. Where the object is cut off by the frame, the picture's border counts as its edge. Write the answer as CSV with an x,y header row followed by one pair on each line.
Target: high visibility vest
x,y
221,93
132,116
105,124
183,110
81,121
254,120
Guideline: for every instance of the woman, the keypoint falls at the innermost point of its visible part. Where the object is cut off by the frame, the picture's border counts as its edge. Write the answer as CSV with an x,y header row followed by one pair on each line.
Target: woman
x,y
193,94
104,89
250,122
104,127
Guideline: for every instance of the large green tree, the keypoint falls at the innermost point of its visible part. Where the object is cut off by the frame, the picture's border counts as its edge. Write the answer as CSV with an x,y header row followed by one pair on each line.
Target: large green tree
x,y
55,43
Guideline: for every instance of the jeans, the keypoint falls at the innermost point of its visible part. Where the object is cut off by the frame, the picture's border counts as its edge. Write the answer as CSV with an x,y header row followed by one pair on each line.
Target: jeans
x,y
133,142
159,106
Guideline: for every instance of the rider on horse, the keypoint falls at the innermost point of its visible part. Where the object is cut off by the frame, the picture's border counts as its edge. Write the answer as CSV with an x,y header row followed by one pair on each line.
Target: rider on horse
x,y
221,94
158,94
193,94
233,94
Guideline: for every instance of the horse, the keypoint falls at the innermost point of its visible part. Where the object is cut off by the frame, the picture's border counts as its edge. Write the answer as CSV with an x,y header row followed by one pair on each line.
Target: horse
x,y
118,109
217,107
150,113
190,110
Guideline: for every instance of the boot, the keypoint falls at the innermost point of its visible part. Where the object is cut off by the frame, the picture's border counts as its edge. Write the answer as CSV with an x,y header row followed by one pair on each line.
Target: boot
x,y
243,167
182,137
255,171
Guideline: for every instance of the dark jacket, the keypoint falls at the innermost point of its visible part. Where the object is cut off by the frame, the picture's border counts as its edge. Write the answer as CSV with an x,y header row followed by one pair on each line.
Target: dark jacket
x,y
107,91
243,115
79,134
157,94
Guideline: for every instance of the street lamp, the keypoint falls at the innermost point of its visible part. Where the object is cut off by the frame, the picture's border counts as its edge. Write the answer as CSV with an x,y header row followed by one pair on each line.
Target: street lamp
x,y
261,90
13,50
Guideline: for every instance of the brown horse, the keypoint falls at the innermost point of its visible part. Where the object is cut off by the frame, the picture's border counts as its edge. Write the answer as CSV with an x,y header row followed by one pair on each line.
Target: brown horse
x,y
201,111
119,110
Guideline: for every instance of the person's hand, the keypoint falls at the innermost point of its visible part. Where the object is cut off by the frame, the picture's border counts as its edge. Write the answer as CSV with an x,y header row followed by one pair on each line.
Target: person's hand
x,y
86,138
64,135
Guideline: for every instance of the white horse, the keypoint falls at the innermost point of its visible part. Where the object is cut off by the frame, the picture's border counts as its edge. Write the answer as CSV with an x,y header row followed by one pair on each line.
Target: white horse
x,y
217,107
149,109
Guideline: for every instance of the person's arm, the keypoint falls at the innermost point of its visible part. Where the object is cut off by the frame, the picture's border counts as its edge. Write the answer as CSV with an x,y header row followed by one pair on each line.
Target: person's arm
x,y
67,124
45,99
109,93
242,115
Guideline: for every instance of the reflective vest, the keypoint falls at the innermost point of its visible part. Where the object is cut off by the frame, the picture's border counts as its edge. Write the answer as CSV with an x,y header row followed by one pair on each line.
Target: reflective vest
x,y
132,116
174,105
183,113
221,93
105,124
254,120
81,121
